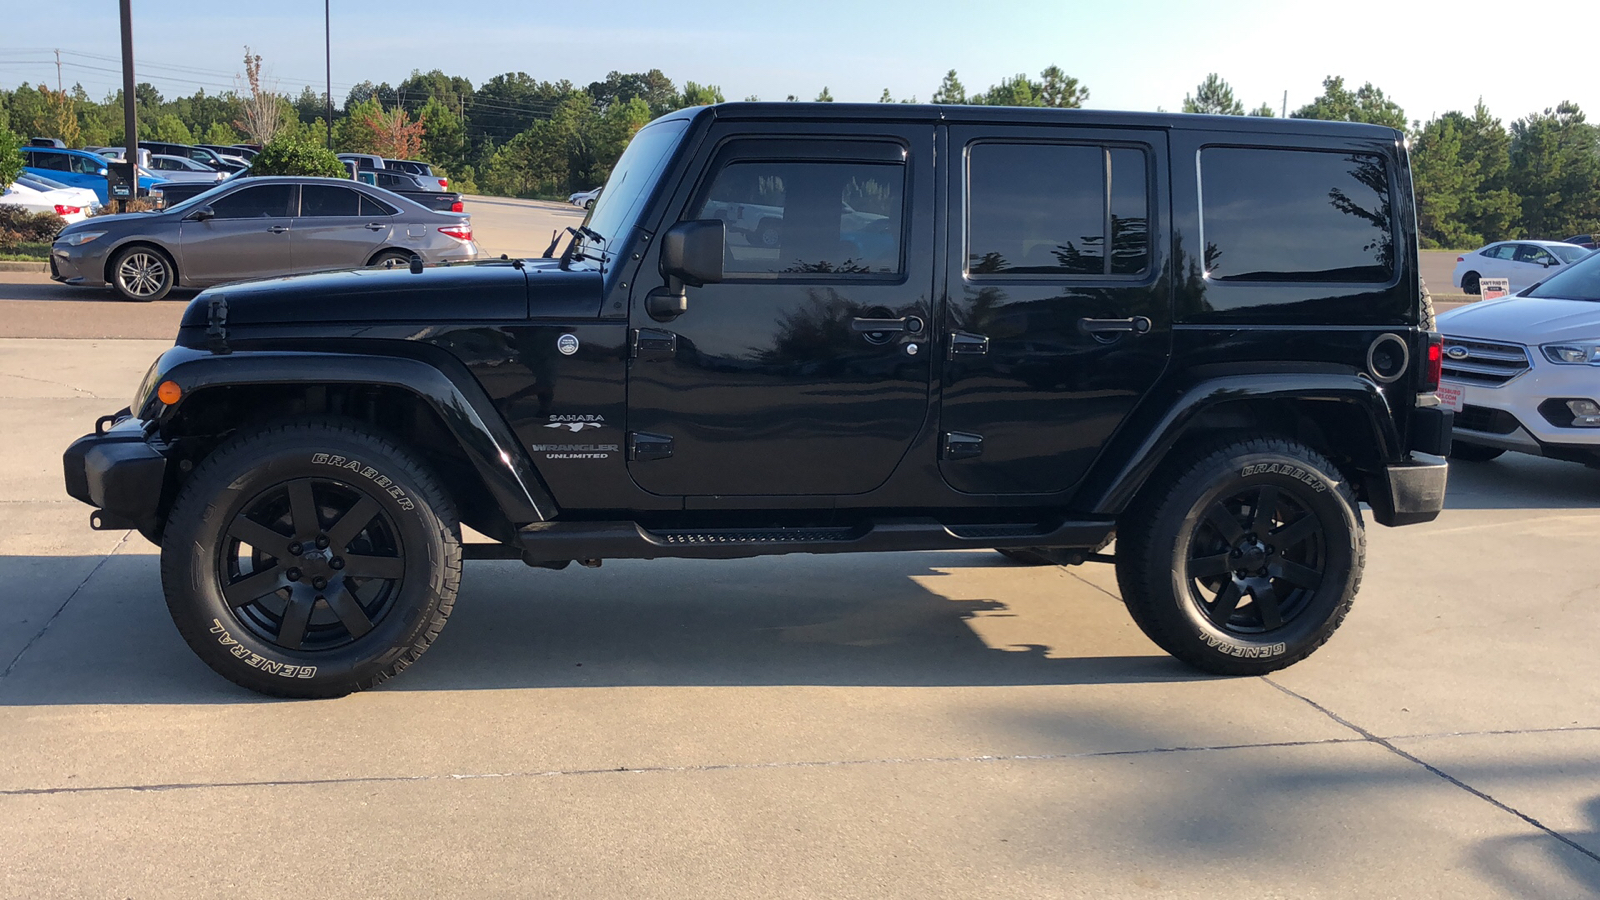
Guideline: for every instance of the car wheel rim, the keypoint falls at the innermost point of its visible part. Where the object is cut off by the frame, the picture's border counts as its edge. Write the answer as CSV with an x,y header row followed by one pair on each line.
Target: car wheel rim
x,y
311,564
141,274
1255,559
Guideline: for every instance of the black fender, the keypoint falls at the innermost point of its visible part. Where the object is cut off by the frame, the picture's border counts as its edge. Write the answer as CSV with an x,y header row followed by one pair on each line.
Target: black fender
x,y
459,401
1167,416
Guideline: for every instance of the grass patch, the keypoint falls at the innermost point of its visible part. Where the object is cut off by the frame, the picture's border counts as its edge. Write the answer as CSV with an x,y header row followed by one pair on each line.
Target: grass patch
x,y
31,251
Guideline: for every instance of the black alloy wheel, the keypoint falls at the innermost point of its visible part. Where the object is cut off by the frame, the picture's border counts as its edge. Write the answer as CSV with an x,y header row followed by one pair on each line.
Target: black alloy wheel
x,y
1255,560
311,564
1242,555
1470,283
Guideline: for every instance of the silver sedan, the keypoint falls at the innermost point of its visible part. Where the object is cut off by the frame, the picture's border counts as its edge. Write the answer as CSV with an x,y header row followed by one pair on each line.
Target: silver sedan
x,y
257,228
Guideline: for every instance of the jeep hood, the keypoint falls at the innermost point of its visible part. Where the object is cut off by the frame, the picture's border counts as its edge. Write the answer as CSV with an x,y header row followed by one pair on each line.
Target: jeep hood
x,y
498,290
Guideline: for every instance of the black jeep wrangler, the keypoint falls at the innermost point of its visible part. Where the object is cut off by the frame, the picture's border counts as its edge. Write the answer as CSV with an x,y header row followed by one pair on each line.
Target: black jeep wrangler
x,y
793,328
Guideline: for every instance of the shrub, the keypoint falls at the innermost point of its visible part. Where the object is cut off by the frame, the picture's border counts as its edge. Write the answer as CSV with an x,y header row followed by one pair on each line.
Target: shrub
x,y
10,156
18,226
288,156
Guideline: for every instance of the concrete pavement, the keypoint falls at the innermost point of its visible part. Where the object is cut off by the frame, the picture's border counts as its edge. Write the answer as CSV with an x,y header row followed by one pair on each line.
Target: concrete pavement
x,y
920,725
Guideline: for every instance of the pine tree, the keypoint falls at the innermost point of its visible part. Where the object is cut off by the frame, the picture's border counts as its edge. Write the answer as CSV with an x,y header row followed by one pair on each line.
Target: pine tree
x,y
1213,97
950,90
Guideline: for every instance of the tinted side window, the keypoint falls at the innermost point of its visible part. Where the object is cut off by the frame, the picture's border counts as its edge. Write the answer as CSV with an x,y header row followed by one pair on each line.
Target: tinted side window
x,y
1045,209
371,207
1296,215
808,218
55,162
326,200
1504,251
1532,253
85,166
263,201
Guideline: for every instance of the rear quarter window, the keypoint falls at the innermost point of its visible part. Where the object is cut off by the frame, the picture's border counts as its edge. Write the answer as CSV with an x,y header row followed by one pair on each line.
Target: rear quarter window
x,y
1290,215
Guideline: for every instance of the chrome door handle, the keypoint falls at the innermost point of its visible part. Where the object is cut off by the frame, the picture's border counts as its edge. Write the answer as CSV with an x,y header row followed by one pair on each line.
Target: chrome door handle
x,y
277,229
1130,325
376,226
909,325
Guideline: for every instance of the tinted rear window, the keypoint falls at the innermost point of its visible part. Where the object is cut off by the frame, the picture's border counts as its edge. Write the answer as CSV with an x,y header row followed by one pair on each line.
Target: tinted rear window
x,y
1296,215
327,200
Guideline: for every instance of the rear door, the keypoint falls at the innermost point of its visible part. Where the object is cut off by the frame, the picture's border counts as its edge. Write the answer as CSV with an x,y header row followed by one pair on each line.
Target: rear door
x,y
1058,318
248,238
332,233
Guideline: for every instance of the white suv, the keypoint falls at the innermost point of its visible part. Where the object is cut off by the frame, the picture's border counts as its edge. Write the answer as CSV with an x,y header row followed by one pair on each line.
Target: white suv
x,y
1523,373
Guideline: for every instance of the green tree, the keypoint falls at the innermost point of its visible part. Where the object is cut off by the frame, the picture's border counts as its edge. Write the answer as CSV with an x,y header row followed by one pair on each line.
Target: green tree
x,y
443,138
699,95
951,90
60,117
1441,180
1264,111
825,96
27,111
290,156
1058,89
1013,91
1555,169
1213,97
168,127
653,87
220,133
10,156
310,105
884,97
452,91
1366,104
1490,211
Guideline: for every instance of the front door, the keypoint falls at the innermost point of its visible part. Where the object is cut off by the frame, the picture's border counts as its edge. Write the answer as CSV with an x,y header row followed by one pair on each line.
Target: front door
x,y
247,238
806,371
1059,315
338,228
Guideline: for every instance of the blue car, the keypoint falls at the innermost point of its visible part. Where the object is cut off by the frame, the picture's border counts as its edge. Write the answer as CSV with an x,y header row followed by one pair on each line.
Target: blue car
x,y
74,168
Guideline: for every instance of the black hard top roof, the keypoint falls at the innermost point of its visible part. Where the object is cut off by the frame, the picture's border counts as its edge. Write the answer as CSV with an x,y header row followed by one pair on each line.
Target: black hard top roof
x,y
1024,115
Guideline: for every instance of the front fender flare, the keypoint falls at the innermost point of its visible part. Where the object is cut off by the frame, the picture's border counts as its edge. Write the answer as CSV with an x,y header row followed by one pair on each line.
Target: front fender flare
x,y
460,402
1133,457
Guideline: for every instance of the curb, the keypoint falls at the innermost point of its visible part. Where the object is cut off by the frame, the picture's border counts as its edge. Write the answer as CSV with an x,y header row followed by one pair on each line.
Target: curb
x,y
18,266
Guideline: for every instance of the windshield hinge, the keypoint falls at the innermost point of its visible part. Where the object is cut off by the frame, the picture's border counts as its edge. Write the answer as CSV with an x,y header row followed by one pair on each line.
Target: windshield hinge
x,y
217,326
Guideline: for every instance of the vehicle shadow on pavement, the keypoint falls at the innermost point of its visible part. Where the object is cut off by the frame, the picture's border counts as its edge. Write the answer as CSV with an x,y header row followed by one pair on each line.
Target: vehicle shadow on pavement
x,y
1519,481
860,619
51,290
1523,863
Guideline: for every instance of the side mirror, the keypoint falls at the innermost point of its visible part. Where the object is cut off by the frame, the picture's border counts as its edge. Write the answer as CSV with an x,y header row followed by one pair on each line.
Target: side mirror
x,y
203,213
1551,262
100,172
691,252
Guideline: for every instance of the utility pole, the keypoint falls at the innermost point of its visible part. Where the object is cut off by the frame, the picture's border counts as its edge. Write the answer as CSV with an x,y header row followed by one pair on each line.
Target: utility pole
x,y
59,88
1286,104
130,122
327,20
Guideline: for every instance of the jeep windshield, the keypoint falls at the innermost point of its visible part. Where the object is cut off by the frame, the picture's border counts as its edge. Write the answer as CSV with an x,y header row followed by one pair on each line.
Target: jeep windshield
x,y
631,181
1579,281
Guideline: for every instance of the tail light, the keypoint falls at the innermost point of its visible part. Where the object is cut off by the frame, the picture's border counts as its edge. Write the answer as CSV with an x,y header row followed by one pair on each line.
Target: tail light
x,y
62,210
1432,363
462,232
456,207
444,183
1461,259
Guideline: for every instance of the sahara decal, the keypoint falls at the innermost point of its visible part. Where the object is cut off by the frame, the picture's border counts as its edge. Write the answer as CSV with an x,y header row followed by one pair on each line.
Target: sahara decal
x,y
367,472
576,423
256,660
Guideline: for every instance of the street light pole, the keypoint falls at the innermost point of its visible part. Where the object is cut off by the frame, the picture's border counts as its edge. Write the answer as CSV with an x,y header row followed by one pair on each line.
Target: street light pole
x,y
130,122
327,21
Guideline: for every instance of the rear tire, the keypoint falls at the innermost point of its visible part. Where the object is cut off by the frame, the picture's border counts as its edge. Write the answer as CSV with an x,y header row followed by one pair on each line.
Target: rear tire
x,y
1425,320
142,274
1470,283
392,259
1474,452
310,558
1243,555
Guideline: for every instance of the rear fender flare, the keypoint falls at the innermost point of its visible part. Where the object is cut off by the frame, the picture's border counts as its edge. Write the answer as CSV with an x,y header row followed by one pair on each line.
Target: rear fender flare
x,y
1136,454
460,403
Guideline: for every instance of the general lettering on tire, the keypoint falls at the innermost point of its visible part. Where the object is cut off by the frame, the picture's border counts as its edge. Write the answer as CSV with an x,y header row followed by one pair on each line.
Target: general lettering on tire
x,y
256,660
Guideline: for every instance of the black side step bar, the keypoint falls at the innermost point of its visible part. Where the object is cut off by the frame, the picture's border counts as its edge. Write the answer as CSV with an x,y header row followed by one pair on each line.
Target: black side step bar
x,y
628,540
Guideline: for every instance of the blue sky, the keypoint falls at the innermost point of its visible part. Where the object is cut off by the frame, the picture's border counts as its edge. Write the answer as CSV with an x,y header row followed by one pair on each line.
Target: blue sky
x,y
1429,56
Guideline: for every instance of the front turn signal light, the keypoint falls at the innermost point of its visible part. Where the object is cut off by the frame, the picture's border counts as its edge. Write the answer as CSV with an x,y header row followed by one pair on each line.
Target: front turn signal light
x,y
169,392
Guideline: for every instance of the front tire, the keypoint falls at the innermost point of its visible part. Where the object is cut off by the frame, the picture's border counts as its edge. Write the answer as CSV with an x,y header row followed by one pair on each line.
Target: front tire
x,y
1242,557
310,558
142,274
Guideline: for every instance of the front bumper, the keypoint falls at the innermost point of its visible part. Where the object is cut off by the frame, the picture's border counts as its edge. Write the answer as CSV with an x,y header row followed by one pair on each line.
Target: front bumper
x,y
118,471
80,265
1509,417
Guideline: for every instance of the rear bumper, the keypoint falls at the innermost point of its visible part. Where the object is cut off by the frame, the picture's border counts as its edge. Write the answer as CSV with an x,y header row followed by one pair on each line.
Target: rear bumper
x,y
120,473
1411,492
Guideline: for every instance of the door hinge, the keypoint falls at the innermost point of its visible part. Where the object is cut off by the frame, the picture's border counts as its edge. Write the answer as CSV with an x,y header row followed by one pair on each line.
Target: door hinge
x,y
217,326
650,340
960,445
963,343
642,445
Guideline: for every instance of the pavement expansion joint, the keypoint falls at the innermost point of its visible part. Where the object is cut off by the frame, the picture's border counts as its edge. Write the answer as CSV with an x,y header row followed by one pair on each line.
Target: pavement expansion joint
x,y
53,616
1387,744
90,394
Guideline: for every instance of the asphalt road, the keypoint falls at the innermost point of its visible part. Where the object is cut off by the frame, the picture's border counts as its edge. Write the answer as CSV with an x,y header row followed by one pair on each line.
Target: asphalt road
x,y
922,725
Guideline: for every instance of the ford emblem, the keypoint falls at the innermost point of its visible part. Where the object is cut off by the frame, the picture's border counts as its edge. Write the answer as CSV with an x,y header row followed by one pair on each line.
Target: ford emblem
x,y
1457,352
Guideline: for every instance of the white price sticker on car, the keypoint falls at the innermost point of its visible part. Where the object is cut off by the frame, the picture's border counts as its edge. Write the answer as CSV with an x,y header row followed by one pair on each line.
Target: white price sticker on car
x,y
1450,397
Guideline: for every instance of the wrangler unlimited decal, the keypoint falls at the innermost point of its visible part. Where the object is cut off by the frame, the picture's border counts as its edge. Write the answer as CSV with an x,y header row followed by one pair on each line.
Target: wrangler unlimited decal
x,y
367,472
256,660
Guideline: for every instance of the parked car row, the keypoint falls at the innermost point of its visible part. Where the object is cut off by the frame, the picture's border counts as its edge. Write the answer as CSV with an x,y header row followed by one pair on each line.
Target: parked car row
x,y
42,195
256,228
426,178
